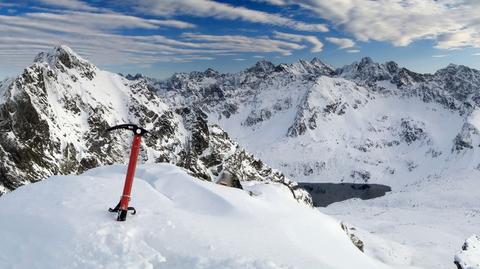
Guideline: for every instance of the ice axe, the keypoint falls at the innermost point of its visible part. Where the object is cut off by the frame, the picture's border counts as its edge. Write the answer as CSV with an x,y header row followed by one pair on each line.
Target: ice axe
x,y
122,208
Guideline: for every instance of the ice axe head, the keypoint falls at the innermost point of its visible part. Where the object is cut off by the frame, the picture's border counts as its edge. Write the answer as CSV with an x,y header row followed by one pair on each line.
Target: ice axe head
x,y
132,127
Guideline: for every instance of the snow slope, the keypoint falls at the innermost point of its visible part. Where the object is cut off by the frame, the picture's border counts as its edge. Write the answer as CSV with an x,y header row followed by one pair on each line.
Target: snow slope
x,y
431,218
182,222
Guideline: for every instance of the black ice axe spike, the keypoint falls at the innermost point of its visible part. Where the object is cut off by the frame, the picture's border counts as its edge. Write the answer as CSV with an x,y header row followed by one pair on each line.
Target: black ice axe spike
x,y
122,207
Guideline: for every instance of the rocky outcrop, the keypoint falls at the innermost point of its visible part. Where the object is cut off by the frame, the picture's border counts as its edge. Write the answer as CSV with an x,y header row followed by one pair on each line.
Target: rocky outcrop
x,y
469,256
355,240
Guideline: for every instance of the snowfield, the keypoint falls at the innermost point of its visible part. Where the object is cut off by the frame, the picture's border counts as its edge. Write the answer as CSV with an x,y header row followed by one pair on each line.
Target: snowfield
x,y
182,222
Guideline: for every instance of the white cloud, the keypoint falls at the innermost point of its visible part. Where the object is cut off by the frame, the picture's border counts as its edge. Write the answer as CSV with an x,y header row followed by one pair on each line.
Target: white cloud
x,y
450,23
70,4
343,43
317,44
207,8
439,56
239,59
239,43
98,36
476,54
175,24
353,51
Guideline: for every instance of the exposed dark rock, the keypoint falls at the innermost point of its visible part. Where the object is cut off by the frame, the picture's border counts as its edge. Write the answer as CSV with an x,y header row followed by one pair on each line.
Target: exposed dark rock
x,y
355,240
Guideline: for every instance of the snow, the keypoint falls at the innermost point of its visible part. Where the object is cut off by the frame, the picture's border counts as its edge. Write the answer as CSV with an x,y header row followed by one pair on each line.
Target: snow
x,y
469,257
474,119
181,222
430,211
431,217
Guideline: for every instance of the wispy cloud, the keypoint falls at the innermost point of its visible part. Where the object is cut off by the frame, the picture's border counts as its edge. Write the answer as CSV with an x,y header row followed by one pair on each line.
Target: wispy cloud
x,y
450,23
212,9
70,4
439,56
97,35
239,43
343,43
353,51
317,44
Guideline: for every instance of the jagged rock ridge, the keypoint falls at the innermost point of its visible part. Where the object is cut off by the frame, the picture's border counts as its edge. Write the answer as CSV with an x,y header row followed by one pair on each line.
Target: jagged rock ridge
x,y
386,117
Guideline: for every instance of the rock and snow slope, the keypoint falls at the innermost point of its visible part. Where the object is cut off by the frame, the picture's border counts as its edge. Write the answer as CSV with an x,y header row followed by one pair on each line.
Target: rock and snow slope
x,y
469,257
182,222
54,115
366,122
363,123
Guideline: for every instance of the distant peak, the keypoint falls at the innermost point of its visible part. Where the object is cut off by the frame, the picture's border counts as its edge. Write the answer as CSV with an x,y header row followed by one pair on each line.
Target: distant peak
x,y
316,61
263,66
210,72
392,66
134,77
366,61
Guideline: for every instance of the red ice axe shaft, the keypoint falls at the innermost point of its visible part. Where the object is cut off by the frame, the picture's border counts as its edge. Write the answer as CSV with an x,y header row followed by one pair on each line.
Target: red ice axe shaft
x,y
122,208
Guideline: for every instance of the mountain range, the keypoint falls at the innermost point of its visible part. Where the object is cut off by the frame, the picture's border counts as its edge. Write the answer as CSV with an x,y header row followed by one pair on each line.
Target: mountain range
x,y
364,123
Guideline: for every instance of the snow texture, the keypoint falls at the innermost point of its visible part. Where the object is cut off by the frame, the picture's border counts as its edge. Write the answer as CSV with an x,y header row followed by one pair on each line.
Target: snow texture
x,y
182,222
469,257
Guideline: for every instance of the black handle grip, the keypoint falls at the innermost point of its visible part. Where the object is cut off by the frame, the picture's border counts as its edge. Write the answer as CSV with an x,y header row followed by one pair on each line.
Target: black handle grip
x,y
132,127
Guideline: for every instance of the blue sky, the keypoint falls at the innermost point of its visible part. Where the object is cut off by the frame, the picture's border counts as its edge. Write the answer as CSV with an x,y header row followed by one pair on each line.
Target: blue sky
x,y
160,37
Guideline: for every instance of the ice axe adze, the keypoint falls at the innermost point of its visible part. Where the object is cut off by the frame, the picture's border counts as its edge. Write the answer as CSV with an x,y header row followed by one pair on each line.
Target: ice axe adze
x,y
122,208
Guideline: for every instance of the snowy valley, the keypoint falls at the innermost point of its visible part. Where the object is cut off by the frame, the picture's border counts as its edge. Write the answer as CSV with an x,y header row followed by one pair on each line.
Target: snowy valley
x,y
270,126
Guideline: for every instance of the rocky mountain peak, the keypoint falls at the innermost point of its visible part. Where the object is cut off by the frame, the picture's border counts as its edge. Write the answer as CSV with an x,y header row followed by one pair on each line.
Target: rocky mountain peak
x,y
320,64
62,57
457,70
210,72
366,61
366,71
392,67
262,66
62,54
134,77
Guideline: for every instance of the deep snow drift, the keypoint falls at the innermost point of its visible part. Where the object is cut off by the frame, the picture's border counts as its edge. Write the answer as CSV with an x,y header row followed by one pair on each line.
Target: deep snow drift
x,y
182,222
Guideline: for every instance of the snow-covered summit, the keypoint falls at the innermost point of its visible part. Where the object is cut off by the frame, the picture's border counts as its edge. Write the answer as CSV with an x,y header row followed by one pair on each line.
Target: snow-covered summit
x,y
63,55
181,222
367,71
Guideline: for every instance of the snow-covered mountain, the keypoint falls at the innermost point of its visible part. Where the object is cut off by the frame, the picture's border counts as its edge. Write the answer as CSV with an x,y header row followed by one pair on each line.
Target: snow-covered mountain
x,y
54,115
365,123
